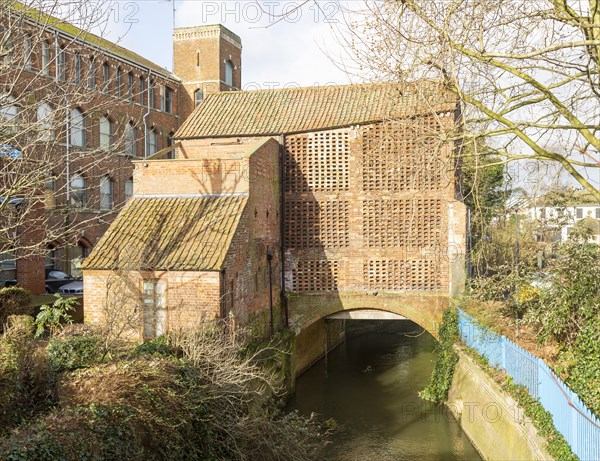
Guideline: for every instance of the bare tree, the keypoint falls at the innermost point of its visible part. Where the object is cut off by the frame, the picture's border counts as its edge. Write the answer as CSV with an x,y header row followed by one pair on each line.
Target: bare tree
x,y
526,72
53,96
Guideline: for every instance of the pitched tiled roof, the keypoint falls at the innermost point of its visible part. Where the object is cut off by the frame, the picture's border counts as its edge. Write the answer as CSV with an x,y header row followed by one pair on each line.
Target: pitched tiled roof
x,y
169,233
47,20
292,110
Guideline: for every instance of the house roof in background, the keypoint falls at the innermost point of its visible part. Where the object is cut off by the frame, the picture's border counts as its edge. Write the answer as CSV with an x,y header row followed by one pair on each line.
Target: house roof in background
x,y
52,22
294,110
169,233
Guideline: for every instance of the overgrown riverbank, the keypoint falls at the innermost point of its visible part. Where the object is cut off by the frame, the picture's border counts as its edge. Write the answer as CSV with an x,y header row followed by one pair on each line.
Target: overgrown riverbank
x,y
189,396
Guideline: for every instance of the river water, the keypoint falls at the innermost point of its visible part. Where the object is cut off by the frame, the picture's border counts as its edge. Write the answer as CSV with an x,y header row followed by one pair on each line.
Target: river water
x,y
369,385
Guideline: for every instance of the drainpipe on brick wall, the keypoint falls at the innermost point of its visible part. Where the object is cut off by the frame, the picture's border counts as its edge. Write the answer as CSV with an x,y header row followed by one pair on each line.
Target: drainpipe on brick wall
x,y
284,298
269,259
147,113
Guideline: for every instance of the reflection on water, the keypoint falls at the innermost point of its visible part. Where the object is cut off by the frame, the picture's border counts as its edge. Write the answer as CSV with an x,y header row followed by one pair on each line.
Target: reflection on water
x,y
370,387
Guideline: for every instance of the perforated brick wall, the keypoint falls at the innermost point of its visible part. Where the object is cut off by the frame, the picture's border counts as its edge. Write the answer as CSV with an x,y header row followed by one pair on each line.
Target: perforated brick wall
x,y
366,208
318,161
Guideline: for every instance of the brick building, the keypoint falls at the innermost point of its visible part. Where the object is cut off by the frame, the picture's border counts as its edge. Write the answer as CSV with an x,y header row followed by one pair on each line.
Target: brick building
x,y
100,107
366,204
199,239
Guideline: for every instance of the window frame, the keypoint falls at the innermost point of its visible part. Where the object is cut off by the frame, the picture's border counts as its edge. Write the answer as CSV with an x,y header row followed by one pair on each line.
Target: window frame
x,y
107,192
154,302
198,100
61,64
46,57
91,80
80,204
130,139
45,121
106,137
105,77
229,73
82,138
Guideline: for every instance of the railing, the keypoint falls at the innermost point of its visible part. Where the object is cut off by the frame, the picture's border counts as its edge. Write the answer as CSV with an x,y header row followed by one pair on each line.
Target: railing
x,y
571,417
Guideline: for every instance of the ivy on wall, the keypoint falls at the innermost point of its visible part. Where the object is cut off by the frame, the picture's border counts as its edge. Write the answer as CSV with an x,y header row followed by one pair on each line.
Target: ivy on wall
x,y
443,371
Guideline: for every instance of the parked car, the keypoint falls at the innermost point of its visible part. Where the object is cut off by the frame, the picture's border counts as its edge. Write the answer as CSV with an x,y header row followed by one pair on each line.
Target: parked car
x,y
72,289
56,279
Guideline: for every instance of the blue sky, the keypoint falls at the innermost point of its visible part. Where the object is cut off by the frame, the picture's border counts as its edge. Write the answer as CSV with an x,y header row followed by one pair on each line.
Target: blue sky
x,y
293,51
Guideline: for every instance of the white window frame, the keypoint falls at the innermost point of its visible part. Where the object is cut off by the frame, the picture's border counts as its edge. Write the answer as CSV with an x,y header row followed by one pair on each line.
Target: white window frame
x,y
198,97
106,133
45,120
128,189
78,192
77,127
106,193
130,139
155,308
46,58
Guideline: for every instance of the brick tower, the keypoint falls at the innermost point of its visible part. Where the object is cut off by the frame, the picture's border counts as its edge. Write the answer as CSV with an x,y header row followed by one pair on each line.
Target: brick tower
x,y
208,59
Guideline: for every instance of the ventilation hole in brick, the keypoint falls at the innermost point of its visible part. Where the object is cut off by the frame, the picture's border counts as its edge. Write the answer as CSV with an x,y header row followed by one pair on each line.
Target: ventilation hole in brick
x,y
402,155
409,223
317,161
312,224
315,275
394,275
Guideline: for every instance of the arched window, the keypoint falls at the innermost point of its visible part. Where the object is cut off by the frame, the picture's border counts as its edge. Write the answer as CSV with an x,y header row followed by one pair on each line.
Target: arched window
x,y
50,261
77,68
130,84
61,66
152,142
105,77
130,138
142,89
78,193
77,128
106,133
106,193
78,255
45,119
49,191
45,58
229,73
91,73
8,110
128,189
118,82
198,96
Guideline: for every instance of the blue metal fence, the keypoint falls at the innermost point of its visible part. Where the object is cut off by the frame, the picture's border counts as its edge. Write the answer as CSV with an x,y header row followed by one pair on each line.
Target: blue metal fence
x,y
571,417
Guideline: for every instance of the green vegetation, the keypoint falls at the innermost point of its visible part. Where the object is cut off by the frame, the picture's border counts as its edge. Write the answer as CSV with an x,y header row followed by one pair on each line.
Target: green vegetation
x,y
541,419
51,318
192,395
13,301
441,378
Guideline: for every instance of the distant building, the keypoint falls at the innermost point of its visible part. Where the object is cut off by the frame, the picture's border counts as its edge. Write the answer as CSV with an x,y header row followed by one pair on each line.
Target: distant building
x,y
130,108
562,220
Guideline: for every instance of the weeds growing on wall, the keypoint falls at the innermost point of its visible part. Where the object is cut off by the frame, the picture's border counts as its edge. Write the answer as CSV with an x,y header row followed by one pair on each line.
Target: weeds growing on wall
x,y
443,371
541,419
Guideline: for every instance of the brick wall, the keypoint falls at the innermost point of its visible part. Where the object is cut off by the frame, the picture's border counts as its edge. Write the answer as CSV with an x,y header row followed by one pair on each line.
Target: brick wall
x,y
200,54
117,298
246,266
367,208
31,86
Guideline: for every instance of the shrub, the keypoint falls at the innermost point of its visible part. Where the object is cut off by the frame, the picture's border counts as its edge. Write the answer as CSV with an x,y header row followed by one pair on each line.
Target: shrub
x,y
53,317
27,386
71,353
158,346
14,301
